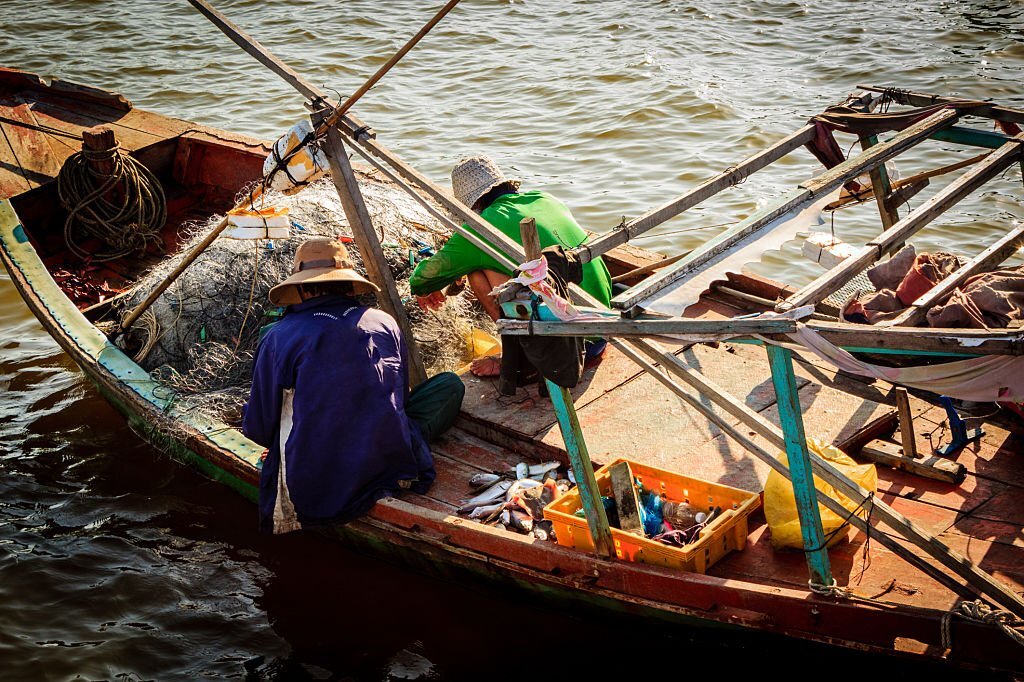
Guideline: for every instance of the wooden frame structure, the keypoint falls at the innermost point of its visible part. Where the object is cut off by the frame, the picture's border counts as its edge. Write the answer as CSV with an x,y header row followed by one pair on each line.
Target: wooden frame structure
x,y
790,438
890,340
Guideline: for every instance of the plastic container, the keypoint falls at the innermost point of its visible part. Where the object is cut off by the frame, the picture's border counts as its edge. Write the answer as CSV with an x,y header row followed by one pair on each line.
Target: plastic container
x,y
724,534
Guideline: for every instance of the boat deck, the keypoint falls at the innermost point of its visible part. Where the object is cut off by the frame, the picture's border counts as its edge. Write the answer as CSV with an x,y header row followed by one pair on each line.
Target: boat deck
x,y
625,413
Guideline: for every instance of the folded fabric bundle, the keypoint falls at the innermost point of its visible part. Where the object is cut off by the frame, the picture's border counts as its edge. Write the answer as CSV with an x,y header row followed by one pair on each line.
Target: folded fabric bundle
x,y
991,300
899,281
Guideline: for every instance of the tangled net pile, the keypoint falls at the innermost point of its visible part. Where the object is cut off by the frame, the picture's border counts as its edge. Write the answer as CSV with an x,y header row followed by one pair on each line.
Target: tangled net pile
x,y
200,336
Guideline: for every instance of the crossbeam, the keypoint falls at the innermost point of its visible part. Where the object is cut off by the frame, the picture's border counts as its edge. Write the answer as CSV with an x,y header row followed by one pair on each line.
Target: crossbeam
x,y
621,327
734,175
802,197
919,341
893,238
984,261
925,99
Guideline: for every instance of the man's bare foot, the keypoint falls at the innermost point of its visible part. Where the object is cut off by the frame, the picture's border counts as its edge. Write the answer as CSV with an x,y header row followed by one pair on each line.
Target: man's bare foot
x,y
489,366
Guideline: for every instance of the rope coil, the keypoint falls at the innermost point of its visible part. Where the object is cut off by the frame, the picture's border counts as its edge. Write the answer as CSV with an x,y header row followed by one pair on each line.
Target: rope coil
x,y
980,612
126,223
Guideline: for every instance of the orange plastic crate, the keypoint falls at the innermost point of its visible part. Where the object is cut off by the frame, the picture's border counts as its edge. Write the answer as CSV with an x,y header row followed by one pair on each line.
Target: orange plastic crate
x,y
726,533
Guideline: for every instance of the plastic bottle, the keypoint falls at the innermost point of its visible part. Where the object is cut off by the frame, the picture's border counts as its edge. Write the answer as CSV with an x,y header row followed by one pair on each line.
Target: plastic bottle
x,y
680,514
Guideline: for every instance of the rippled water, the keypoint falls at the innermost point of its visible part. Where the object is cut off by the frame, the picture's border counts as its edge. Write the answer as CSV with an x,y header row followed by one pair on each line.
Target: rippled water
x,y
116,561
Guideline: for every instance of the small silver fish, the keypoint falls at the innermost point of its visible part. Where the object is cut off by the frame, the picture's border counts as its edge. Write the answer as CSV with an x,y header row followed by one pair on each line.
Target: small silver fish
x,y
535,471
485,510
490,496
480,481
540,469
519,486
522,471
521,521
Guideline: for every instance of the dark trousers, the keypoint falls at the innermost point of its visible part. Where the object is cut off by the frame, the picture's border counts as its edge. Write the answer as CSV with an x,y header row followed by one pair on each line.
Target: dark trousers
x,y
435,403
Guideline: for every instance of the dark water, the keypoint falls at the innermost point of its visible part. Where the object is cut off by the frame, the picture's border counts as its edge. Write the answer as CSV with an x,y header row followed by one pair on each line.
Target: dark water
x,y
117,563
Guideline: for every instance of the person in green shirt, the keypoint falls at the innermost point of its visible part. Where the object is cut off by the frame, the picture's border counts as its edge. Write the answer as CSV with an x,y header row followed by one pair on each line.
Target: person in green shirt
x,y
478,183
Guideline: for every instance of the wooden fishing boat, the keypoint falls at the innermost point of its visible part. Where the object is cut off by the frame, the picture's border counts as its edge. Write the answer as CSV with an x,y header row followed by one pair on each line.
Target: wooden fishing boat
x,y
900,609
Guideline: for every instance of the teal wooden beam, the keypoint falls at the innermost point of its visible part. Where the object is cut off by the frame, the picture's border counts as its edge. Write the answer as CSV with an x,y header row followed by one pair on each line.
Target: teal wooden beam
x,y
586,483
972,137
876,351
781,362
880,186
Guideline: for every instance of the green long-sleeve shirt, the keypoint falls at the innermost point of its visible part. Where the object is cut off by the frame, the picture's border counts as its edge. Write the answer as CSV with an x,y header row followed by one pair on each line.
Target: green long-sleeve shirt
x,y
555,225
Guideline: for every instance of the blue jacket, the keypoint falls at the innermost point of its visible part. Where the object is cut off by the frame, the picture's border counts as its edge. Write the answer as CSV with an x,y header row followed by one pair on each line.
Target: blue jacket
x,y
328,399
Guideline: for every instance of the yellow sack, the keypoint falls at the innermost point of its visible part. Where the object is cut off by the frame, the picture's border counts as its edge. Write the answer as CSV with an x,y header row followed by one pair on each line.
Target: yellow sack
x,y
780,505
480,344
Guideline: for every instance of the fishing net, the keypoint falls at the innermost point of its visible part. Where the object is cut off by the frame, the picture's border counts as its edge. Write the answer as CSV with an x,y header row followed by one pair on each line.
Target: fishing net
x,y
200,336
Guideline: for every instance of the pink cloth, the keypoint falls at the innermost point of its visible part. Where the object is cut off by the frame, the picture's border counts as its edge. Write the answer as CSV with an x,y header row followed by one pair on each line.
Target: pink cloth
x,y
534,274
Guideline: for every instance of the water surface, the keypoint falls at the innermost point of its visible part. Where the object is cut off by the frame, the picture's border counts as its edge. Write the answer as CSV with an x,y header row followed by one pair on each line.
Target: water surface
x,y
115,562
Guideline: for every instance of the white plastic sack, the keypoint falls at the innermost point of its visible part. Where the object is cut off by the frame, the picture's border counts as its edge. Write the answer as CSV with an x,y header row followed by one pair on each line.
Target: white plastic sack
x,y
303,166
263,223
826,250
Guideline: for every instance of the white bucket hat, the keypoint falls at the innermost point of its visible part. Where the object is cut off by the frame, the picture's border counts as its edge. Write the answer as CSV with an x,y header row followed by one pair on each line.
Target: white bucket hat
x,y
475,176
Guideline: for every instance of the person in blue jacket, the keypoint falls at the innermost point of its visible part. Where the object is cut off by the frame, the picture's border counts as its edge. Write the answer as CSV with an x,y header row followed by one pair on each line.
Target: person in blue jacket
x,y
330,400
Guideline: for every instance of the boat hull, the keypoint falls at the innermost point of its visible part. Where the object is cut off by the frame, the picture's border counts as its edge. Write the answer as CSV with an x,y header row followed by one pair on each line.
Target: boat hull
x,y
439,544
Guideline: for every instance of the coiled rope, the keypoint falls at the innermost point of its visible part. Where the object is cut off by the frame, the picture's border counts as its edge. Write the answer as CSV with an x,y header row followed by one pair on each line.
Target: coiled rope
x,y
126,225
980,612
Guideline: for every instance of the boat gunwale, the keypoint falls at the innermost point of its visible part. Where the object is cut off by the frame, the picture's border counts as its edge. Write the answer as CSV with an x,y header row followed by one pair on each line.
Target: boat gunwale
x,y
723,599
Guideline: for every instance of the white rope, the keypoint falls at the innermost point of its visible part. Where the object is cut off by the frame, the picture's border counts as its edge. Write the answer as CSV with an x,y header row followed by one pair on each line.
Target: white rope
x,y
833,590
980,612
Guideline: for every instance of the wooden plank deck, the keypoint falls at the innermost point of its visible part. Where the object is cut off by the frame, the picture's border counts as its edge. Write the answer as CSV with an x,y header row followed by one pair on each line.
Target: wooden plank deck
x,y
38,136
625,413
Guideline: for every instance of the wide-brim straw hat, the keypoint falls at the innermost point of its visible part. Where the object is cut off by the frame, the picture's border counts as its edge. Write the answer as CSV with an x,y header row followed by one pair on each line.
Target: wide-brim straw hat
x,y
318,261
475,176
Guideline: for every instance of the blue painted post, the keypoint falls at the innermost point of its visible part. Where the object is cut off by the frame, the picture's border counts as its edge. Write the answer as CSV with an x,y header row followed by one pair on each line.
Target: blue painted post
x,y
781,362
590,495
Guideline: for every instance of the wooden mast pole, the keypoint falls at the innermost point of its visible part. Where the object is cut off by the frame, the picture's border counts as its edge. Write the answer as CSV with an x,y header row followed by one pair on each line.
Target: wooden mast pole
x,y
881,187
377,269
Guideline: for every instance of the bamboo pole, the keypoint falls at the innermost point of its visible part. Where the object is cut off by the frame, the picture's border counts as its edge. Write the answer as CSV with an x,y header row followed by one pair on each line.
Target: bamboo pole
x,y
362,139
805,495
707,189
807,192
572,433
252,47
